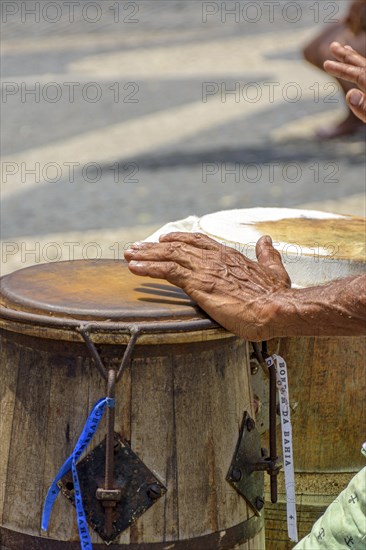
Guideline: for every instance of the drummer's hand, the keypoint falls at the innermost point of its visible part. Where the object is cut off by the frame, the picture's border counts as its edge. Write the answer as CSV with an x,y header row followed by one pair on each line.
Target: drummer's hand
x,y
236,292
350,66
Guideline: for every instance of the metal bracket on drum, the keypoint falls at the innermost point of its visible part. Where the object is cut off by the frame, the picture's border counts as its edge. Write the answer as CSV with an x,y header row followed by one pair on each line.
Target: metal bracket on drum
x,y
250,459
246,473
135,488
116,485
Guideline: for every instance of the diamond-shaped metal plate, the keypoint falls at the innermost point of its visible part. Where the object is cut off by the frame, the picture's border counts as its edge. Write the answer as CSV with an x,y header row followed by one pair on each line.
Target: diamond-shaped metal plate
x,y
140,488
242,474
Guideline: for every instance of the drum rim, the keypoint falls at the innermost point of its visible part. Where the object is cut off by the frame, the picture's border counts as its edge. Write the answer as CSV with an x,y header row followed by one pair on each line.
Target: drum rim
x,y
112,333
26,317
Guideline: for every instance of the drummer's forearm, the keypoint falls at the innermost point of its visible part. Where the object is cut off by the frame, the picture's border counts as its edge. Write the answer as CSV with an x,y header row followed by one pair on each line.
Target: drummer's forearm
x,y
335,309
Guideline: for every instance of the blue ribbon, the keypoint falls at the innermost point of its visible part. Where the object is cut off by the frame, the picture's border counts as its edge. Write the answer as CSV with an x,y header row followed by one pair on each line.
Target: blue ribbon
x,y
86,436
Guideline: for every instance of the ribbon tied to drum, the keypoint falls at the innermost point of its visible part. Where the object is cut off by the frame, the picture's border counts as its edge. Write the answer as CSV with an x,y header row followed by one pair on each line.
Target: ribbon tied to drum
x,y
286,430
85,438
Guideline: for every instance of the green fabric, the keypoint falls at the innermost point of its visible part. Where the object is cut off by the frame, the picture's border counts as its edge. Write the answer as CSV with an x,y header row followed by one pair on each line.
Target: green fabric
x,y
343,524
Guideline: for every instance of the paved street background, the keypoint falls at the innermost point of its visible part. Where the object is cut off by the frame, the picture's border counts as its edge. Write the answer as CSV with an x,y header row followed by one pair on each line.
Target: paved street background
x,y
121,116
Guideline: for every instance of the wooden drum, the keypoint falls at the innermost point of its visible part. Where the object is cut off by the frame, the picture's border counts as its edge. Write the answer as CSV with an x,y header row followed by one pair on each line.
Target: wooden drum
x,y
327,381
179,405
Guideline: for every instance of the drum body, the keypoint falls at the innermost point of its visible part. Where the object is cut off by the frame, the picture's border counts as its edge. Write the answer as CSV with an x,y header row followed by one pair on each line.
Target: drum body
x,y
327,382
179,404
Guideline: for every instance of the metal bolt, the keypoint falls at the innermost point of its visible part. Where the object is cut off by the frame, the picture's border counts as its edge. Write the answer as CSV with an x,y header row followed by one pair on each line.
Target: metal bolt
x,y
236,474
259,503
250,424
154,491
254,366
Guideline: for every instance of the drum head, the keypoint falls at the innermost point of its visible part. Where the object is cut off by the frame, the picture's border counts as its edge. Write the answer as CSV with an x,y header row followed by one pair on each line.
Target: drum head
x,y
95,290
316,247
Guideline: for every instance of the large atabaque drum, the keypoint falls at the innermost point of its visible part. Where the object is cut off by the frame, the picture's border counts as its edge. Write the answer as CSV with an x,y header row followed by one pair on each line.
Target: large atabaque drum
x,y
179,407
327,381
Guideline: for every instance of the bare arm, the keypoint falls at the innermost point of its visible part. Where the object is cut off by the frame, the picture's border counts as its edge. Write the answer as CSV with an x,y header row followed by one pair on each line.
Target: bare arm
x,y
335,309
350,66
251,299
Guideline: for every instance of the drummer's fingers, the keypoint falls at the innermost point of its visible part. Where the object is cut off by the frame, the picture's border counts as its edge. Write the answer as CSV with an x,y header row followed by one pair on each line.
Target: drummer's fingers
x,y
211,252
195,239
184,254
270,258
170,271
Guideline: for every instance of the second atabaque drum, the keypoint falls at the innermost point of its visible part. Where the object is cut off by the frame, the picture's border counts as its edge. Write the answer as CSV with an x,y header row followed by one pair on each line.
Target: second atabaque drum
x,y
327,381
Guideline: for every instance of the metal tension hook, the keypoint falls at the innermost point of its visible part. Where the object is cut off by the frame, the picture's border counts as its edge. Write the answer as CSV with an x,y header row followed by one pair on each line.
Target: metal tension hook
x,y
109,495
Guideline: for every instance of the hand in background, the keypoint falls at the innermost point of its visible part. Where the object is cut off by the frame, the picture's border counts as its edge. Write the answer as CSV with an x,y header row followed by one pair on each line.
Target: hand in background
x,y
350,66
